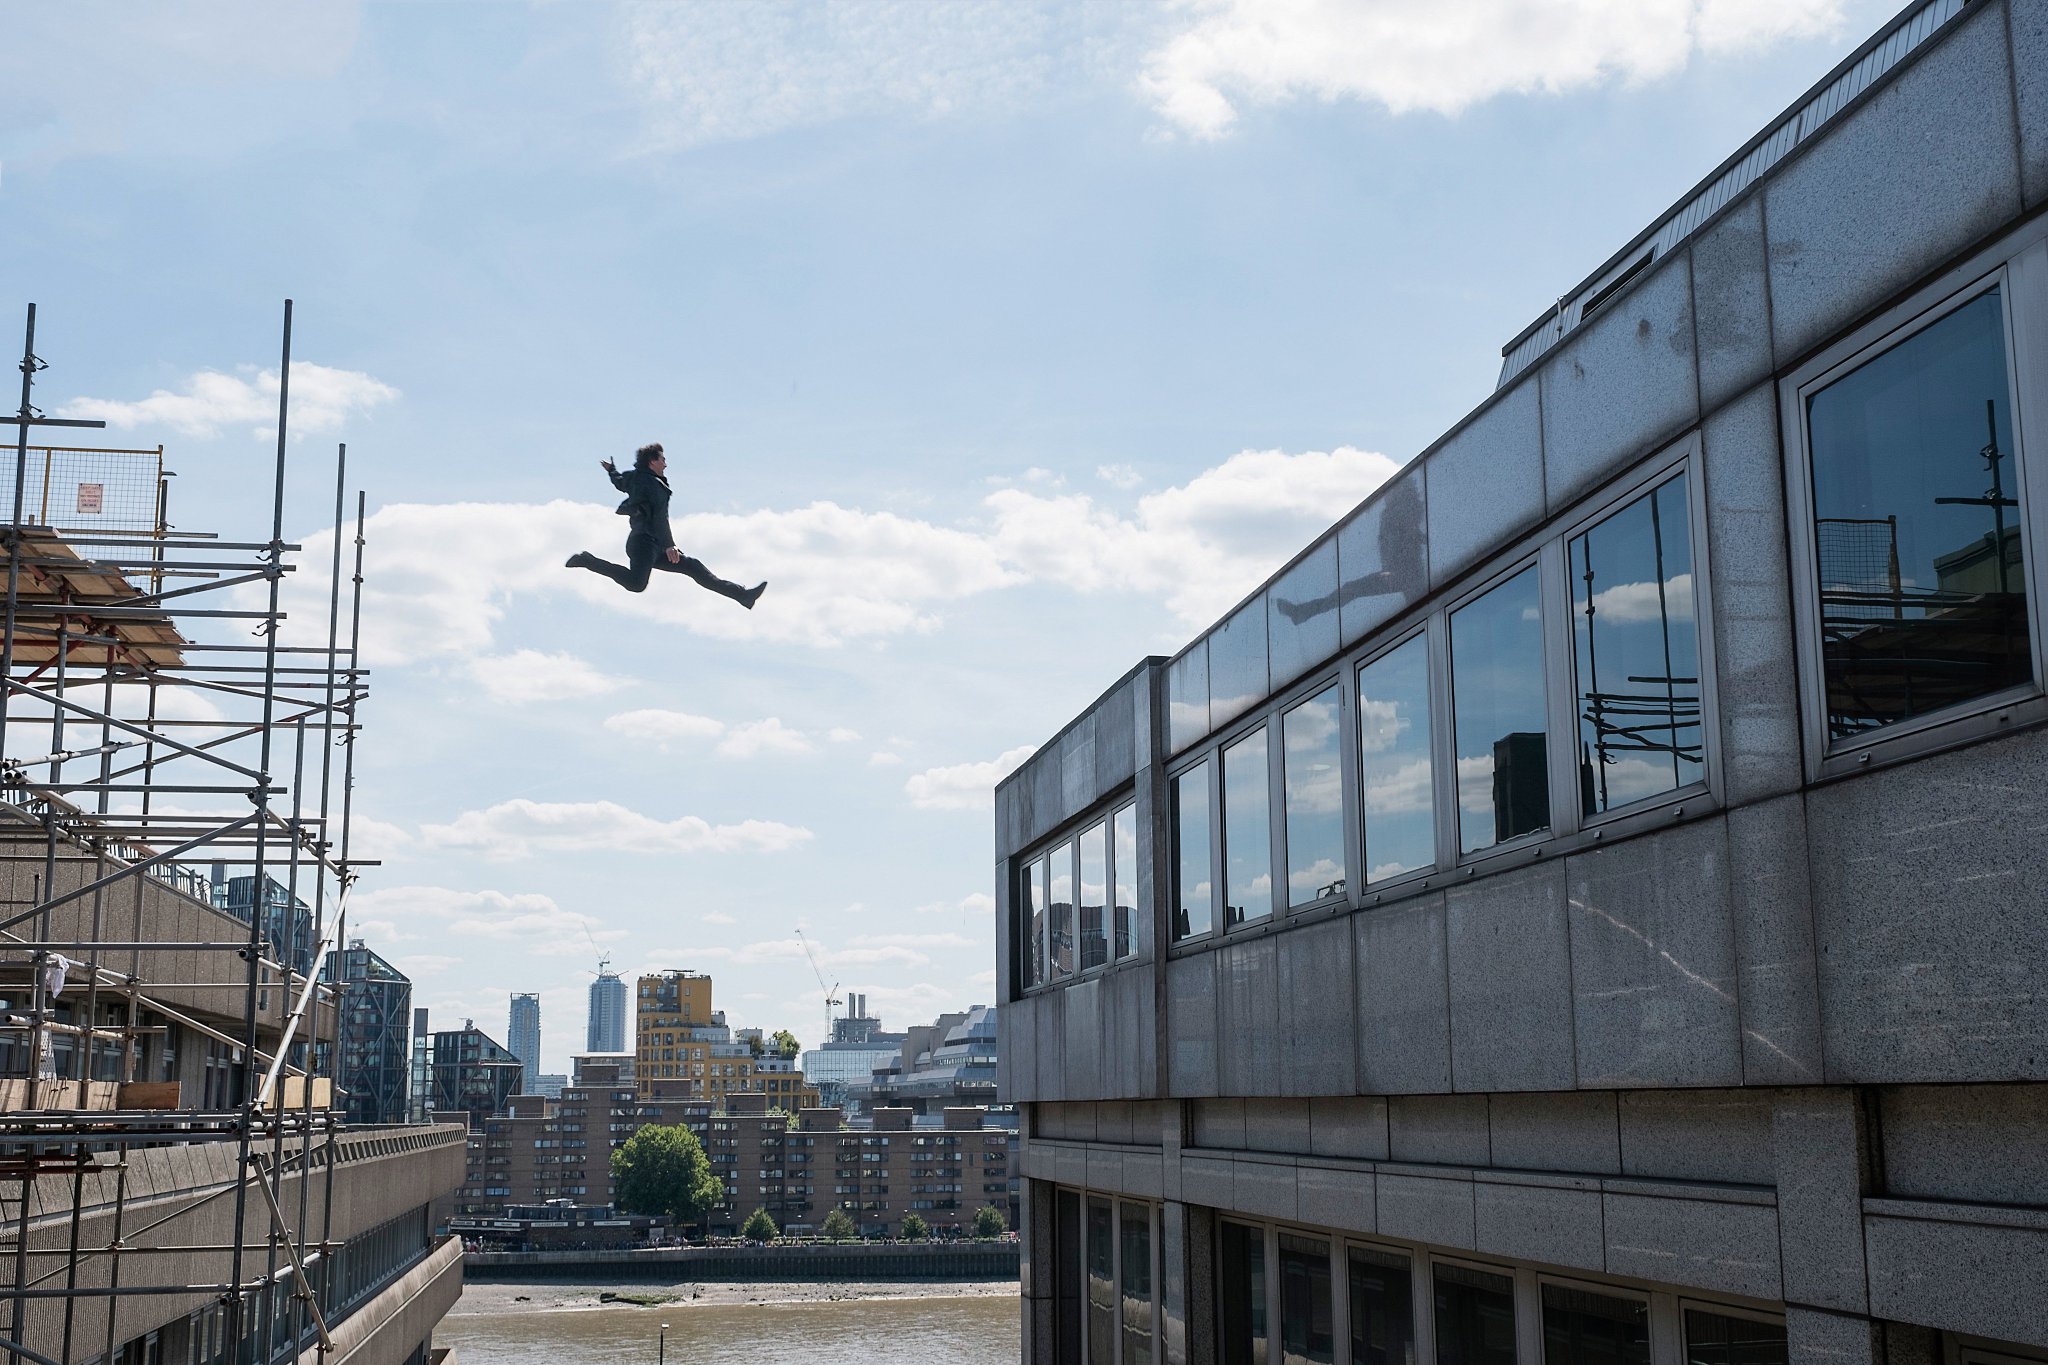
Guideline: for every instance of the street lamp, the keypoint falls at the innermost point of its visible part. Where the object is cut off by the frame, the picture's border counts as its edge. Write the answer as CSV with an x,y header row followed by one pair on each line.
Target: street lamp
x,y
661,1346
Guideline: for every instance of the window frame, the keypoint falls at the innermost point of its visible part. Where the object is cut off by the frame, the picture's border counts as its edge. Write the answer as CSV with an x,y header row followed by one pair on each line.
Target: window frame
x,y
1349,793
1549,582
1433,631
1265,723
2018,268
1046,850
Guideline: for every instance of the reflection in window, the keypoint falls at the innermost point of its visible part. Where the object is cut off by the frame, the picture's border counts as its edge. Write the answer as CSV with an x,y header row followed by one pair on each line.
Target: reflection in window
x,y
1395,767
1636,651
1581,1327
1247,831
1308,1329
1497,710
1917,523
1034,910
1194,888
1060,912
1382,1308
1124,837
1719,1339
1475,1317
1241,1296
1311,744
1101,1285
1093,894
1134,1222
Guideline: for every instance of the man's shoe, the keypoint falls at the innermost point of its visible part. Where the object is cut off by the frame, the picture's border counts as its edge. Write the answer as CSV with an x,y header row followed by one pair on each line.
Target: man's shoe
x,y
579,560
753,595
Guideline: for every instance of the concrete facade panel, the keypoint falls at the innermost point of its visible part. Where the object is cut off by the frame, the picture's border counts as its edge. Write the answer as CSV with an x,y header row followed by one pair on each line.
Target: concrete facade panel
x,y
1731,308
1844,235
1077,767
1191,1024
1301,615
1776,977
1819,1152
1577,1131
1980,1143
1017,1053
1383,556
1082,1039
1550,1223
1960,1276
1424,1209
1653,961
1623,378
1132,1068
1143,1175
1116,737
1719,1135
1445,1130
1485,483
1404,1024
1510,973
1926,905
1280,1125
1187,697
1354,1127
1238,675
1338,1198
1216,1123
2029,19
1048,1017
1318,1011
1248,1043
1207,1180
1262,1189
1732,1248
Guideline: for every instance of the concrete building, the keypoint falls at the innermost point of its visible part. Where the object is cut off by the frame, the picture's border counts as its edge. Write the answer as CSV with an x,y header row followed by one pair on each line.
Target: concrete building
x,y
374,1069
947,1063
605,1030
685,1050
1585,906
522,1034
472,1073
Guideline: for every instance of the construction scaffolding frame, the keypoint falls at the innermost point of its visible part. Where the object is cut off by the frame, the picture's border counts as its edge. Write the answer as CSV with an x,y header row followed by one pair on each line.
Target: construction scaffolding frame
x,y
172,743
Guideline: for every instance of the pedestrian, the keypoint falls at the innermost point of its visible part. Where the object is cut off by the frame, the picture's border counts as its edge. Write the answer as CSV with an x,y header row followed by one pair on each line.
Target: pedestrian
x,y
650,545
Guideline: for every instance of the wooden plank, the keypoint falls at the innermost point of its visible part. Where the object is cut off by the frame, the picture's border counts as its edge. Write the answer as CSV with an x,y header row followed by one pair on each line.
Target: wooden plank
x,y
149,1095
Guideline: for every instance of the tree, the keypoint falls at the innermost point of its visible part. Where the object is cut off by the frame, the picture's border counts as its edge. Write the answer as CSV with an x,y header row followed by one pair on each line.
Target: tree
x,y
786,1044
989,1222
838,1227
915,1229
662,1170
759,1227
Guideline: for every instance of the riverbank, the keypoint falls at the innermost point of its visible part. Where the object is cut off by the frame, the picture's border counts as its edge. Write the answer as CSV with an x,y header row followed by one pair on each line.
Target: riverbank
x,y
499,1300
773,1263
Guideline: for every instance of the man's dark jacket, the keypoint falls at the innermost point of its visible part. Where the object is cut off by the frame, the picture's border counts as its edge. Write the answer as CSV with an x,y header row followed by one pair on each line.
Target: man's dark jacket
x,y
646,505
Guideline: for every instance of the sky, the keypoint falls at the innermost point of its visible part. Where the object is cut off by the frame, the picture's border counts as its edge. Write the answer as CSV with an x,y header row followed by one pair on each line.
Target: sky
x,y
1008,342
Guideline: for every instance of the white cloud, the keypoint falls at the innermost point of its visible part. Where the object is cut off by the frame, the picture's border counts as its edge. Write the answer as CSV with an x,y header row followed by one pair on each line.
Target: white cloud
x,y
753,738
527,675
964,786
521,829
747,739
664,727
1632,604
1119,476
839,734
322,400
528,920
717,917
978,903
1442,56
881,758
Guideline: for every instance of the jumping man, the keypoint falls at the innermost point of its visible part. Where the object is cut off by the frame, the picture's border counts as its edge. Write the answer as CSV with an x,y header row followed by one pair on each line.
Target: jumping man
x,y
649,543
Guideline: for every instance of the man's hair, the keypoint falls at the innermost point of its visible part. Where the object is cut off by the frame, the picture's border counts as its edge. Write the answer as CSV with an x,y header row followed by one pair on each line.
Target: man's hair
x,y
646,455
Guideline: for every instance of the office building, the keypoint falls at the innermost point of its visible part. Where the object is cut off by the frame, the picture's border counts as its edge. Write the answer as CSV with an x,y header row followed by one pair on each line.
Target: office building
x,y
472,1073
522,1032
374,1052
605,1031
1586,906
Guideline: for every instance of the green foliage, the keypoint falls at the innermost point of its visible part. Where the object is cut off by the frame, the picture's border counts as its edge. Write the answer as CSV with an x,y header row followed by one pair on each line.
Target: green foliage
x,y
838,1227
786,1043
989,1222
662,1170
915,1229
759,1227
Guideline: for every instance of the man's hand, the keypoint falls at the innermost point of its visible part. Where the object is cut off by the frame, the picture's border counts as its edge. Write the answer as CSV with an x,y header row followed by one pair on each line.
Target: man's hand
x,y
607,466
675,554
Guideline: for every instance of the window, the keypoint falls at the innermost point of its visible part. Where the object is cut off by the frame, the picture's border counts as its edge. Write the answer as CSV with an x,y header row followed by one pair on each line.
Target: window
x,y
1194,885
1247,831
1124,848
1581,1327
1060,917
1497,706
1101,1285
1475,1317
1034,917
1241,1296
1307,1324
1382,1308
1134,1225
1396,770
1916,509
1311,745
1093,893
1723,1339
1636,653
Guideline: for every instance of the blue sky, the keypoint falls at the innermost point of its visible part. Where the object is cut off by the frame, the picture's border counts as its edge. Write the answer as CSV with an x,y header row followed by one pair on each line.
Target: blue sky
x,y
1008,342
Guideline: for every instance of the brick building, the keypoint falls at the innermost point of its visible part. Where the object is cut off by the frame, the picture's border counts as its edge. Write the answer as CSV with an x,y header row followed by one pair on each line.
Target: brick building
x,y
683,1047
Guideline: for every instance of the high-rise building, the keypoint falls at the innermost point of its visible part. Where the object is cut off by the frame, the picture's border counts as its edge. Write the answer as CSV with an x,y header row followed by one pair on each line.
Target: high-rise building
x,y
420,1098
287,920
523,1034
373,1062
606,1029
472,1073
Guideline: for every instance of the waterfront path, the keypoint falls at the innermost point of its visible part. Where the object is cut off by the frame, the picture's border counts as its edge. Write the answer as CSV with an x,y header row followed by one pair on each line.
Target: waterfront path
x,y
774,1262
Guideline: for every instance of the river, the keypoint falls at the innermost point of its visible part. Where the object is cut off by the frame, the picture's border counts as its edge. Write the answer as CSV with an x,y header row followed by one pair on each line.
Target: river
x,y
564,1324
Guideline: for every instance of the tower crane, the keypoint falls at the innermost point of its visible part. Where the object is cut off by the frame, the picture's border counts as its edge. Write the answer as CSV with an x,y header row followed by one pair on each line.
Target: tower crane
x,y
831,991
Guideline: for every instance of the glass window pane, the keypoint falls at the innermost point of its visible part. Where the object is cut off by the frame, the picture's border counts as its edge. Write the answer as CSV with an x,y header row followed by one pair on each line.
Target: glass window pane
x,y
1396,771
1134,1222
1034,907
1497,701
1581,1327
1917,523
1312,741
1475,1317
1382,1308
1060,942
1124,836
1194,889
1308,1329
1094,893
1636,653
1720,1339
1247,831
1241,1296
1101,1286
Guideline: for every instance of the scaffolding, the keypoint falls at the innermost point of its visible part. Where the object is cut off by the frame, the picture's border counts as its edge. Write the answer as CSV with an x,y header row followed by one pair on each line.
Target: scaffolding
x,y
153,722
